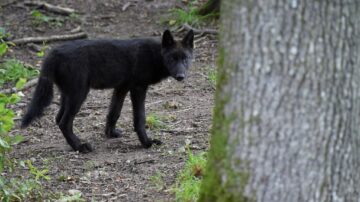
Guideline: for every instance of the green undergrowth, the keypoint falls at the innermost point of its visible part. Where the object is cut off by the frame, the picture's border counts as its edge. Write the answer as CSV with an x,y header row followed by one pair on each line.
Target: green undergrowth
x,y
157,122
212,75
188,181
188,15
38,18
11,70
20,180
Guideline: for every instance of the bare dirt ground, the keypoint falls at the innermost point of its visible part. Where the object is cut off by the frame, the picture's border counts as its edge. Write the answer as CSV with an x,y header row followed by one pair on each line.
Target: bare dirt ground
x,y
118,169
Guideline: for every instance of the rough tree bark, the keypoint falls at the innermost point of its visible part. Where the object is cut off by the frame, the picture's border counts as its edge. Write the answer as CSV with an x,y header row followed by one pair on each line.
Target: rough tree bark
x,y
287,117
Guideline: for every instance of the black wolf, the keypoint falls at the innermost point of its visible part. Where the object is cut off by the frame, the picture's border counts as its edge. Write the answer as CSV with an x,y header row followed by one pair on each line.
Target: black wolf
x,y
125,65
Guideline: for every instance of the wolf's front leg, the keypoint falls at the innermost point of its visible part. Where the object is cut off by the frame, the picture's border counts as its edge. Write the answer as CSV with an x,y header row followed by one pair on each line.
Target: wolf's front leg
x,y
117,101
138,95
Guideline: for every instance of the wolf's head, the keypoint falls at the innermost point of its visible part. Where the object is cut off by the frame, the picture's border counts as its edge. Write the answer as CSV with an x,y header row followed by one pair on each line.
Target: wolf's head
x,y
177,55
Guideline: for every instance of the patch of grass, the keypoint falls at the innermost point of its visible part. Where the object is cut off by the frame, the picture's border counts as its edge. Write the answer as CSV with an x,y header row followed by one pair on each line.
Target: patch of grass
x,y
188,15
212,75
39,18
12,70
157,181
188,182
155,122
71,198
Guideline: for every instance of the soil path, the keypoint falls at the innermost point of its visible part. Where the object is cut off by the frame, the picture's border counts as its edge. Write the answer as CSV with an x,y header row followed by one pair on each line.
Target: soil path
x,y
118,169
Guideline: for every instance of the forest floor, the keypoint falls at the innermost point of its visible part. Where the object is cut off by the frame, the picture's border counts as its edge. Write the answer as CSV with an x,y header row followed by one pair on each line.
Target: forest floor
x,y
118,169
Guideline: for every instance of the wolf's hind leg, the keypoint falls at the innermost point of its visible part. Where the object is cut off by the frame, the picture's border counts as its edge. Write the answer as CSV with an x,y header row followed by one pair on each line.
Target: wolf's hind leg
x,y
116,104
61,110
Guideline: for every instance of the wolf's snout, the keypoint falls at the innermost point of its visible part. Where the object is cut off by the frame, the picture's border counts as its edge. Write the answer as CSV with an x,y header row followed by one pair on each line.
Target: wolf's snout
x,y
180,77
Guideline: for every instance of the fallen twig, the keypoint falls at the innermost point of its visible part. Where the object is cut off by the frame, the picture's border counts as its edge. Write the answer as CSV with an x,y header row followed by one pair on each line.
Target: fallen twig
x,y
50,7
125,6
26,86
50,38
76,30
34,47
200,31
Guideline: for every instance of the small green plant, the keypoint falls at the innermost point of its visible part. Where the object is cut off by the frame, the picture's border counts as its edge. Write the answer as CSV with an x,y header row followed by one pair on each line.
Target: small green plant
x,y
157,181
41,53
154,122
4,45
38,174
39,19
188,182
12,70
212,75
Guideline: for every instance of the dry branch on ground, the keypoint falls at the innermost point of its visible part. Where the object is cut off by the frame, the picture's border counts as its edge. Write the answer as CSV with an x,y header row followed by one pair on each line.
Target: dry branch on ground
x,y
50,7
200,31
50,38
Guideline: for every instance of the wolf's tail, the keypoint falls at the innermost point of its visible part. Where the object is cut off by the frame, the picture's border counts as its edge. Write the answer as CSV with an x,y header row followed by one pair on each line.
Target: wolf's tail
x,y
43,92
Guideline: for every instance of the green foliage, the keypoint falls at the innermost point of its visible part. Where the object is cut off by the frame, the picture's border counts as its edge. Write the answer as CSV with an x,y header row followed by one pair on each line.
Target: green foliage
x,y
12,70
6,123
4,46
155,122
39,19
12,189
15,189
20,83
189,15
188,182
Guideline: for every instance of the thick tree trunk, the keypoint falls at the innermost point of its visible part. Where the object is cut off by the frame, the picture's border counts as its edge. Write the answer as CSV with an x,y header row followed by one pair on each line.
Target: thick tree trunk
x,y
287,117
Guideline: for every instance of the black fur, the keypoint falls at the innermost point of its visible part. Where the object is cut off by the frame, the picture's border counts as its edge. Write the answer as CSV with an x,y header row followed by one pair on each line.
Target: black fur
x,y
125,65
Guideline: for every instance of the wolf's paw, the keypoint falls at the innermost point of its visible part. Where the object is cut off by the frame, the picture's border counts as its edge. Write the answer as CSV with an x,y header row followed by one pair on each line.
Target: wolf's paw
x,y
151,142
85,148
116,133
156,141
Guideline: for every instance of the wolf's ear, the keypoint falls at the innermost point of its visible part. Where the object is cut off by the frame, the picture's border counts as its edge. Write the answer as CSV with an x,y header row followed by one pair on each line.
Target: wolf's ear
x,y
167,39
188,40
